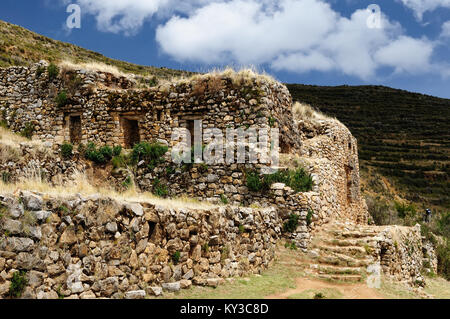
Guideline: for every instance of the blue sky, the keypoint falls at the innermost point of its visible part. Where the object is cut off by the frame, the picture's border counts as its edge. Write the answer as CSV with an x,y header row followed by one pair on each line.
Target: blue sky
x,y
406,46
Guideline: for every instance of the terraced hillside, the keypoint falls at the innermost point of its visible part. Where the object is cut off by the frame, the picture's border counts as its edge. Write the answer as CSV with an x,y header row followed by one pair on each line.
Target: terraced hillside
x,y
402,136
19,46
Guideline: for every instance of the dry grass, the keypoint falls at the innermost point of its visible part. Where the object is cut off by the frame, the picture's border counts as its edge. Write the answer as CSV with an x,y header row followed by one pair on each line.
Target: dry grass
x,y
32,181
302,111
242,77
94,67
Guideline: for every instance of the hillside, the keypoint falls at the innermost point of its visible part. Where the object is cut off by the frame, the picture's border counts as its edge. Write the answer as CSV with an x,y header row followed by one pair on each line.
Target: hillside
x,y
403,136
33,47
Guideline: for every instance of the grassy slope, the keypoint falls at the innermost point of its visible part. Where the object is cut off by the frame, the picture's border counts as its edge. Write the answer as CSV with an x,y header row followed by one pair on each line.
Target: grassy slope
x,y
19,46
403,136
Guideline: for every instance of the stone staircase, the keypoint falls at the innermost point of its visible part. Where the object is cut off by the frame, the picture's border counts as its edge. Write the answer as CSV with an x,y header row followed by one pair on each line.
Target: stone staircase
x,y
342,252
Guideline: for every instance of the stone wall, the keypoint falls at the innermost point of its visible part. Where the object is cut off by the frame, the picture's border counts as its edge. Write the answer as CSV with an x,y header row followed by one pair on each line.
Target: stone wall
x,y
107,106
92,247
400,253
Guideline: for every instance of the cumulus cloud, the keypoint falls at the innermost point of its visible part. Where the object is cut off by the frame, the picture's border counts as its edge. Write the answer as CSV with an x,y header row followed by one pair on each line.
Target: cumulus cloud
x,y
299,36
128,16
446,30
290,35
421,6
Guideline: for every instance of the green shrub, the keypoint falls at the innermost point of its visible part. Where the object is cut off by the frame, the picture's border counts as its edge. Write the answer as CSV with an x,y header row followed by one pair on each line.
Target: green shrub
x,y
28,130
151,153
127,182
443,257
241,229
62,99
254,182
118,161
67,150
53,71
40,70
159,189
298,180
404,210
223,199
309,217
176,257
107,152
18,283
291,224
117,150
91,153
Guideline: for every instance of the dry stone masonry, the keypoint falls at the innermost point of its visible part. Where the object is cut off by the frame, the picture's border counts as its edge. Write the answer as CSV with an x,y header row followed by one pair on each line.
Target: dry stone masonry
x,y
93,247
90,247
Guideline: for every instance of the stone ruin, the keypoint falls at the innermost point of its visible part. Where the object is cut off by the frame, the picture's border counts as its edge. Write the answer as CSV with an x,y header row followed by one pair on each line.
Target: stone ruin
x,y
109,110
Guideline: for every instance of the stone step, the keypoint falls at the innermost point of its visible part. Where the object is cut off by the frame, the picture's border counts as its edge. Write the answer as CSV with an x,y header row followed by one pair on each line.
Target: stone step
x,y
346,250
371,242
353,234
343,260
336,270
344,278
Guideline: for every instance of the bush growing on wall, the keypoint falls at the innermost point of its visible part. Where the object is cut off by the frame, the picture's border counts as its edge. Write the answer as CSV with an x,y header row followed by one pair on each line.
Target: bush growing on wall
x,y
291,224
299,180
151,153
53,71
66,150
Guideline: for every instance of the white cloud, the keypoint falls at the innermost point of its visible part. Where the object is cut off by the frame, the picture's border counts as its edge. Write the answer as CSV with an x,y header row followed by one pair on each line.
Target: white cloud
x,y
421,6
406,55
291,35
300,36
128,16
446,30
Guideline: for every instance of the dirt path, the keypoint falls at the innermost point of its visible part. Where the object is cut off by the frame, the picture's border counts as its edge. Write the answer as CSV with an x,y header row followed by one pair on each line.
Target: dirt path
x,y
345,291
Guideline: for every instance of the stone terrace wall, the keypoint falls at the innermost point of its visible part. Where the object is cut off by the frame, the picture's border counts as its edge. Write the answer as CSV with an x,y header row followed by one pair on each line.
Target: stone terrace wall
x,y
98,247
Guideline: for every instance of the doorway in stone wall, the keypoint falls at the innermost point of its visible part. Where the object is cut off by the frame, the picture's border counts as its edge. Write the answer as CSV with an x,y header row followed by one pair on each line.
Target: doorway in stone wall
x,y
75,129
130,129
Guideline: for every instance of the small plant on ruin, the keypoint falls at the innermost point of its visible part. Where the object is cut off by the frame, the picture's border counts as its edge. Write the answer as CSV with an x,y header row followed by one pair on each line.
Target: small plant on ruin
x,y
176,257
128,182
272,121
299,180
97,156
67,150
291,224
40,70
223,199
254,183
53,71
62,99
18,283
309,217
151,153
241,229
117,150
118,161
6,177
205,247
159,189
107,152
28,131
